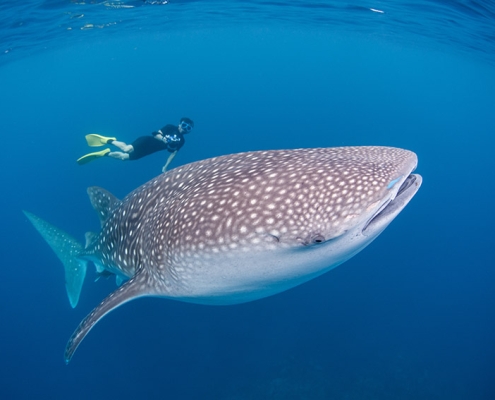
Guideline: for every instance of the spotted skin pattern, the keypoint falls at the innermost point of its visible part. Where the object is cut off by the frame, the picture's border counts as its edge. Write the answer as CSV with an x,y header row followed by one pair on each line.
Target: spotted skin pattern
x,y
227,226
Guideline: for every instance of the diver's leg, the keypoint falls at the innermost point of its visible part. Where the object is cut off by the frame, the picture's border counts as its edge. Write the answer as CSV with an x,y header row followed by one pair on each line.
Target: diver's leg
x,y
126,148
118,155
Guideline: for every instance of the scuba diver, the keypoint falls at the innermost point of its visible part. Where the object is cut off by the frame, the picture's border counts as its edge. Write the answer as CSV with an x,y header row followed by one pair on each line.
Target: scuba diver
x,y
170,138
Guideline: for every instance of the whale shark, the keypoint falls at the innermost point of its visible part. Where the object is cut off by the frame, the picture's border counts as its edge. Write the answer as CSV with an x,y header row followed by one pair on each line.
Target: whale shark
x,y
236,228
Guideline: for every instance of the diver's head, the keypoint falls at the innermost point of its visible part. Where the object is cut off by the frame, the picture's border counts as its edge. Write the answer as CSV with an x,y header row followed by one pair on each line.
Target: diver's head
x,y
186,125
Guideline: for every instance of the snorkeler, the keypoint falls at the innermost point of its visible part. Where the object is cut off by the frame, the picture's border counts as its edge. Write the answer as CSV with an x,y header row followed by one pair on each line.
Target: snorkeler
x,y
170,138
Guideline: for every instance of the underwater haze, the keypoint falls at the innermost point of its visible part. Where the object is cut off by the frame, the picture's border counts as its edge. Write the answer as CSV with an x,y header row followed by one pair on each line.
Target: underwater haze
x,y
410,317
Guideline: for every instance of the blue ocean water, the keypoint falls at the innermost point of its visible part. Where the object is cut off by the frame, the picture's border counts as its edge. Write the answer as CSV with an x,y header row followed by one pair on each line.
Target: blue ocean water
x,y
410,317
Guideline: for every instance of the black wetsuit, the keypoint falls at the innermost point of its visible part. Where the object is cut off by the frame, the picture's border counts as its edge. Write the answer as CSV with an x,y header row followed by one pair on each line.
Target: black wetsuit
x,y
145,145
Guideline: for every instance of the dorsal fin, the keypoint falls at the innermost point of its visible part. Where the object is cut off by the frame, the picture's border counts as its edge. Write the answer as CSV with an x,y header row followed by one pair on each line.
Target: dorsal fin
x,y
135,287
102,201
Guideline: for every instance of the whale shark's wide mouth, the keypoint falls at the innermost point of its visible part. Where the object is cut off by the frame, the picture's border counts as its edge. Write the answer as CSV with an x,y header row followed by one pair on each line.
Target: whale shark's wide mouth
x,y
406,184
394,206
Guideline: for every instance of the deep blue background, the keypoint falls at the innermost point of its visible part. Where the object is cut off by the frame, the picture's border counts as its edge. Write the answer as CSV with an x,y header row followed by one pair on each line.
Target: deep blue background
x,y
410,317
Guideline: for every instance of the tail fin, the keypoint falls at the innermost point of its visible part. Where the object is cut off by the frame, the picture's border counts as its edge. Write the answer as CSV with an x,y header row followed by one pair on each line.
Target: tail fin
x,y
67,250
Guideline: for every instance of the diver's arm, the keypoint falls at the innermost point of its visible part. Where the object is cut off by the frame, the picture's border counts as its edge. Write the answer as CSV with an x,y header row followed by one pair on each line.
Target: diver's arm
x,y
158,135
169,160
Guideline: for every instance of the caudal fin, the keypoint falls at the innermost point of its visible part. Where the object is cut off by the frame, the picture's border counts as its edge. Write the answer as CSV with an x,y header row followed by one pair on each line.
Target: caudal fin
x,y
67,250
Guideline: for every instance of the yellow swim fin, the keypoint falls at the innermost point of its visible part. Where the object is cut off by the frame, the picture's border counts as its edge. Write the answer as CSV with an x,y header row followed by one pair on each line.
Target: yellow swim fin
x,y
92,156
95,140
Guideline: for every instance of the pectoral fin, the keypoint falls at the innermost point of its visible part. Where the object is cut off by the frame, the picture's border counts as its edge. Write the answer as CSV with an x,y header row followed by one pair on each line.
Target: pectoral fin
x,y
132,289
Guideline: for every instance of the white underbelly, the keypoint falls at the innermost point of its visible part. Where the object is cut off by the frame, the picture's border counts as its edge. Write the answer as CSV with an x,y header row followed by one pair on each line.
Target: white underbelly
x,y
242,276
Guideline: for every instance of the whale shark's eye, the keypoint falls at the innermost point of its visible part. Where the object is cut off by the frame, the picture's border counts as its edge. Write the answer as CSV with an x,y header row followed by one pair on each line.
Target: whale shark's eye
x,y
317,239
312,239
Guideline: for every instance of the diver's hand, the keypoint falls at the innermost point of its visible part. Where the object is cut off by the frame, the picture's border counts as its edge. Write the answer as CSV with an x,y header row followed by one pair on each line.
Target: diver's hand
x,y
164,169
